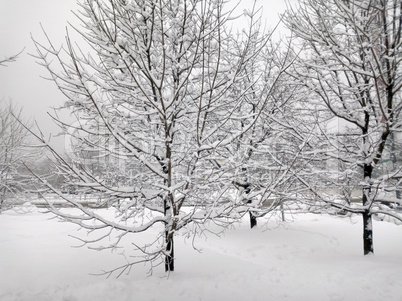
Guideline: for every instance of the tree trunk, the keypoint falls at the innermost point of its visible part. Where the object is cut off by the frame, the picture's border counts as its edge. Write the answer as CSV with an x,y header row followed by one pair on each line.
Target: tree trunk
x,y
253,220
169,236
394,161
2,198
169,258
282,212
367,233
367,218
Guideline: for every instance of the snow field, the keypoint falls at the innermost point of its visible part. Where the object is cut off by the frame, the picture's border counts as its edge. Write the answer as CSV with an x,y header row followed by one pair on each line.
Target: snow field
x,y
312,257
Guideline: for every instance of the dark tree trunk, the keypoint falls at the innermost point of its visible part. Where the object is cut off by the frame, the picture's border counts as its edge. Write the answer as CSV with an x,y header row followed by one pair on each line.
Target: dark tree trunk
x,y
253,220
367,218
394,161
367,233
169,258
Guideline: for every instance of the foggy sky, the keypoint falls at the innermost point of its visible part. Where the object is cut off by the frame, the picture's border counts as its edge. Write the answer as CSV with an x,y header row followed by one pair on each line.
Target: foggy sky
x,y
21,81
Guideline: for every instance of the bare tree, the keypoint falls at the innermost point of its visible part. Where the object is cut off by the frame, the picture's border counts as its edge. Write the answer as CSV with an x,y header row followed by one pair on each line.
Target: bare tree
x,y
13,151
157,104
351,65
264,158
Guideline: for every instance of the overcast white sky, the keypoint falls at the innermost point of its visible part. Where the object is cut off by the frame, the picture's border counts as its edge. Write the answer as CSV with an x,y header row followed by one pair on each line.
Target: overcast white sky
x,y
21,81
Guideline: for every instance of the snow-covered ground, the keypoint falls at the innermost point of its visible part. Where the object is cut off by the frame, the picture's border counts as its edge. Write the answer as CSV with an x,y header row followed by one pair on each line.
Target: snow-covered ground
x,y
312,257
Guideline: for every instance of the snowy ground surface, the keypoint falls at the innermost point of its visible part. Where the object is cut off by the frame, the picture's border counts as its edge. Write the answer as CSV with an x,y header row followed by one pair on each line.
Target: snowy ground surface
x,y
313,257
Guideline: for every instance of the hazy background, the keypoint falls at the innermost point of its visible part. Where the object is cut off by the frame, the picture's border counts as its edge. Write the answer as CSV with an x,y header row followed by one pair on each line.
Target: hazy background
x,y
22,82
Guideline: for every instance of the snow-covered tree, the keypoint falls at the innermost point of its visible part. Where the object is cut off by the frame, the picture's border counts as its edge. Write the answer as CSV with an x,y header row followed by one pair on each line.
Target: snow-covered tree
x,y
158,101
351,65
264,158
13,151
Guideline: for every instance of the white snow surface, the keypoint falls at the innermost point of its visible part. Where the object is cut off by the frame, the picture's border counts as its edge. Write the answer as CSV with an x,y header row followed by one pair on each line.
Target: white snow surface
x,y
312,257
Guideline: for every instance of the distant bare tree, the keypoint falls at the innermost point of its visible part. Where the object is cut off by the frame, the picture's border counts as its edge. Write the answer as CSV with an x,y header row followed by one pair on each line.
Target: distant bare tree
x,y
264,157
351,67
13,151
